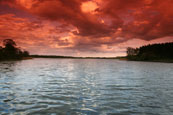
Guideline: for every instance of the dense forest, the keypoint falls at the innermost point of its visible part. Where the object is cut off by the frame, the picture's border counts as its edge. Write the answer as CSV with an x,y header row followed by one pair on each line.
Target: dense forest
x,y
152,52
9,51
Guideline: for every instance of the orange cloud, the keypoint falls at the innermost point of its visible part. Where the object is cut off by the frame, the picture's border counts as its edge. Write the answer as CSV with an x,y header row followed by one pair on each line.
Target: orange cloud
x,y
85,25
89,6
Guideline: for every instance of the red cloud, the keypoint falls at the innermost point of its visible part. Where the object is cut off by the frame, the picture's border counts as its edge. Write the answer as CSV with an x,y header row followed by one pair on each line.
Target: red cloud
x,y
107,22
148,19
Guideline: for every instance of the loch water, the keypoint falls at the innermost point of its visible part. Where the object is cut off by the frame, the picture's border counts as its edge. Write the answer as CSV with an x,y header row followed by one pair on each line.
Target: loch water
x,y
85,87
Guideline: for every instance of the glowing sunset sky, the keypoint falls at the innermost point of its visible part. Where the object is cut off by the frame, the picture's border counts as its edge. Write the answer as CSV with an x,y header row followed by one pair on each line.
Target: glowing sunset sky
x,y
85,27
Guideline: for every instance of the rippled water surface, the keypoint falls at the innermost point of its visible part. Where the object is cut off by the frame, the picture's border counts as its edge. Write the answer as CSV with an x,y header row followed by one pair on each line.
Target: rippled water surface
x,y
85,87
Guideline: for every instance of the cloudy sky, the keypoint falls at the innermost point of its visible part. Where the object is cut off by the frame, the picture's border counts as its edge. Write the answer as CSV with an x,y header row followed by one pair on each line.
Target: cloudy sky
x,y
85,27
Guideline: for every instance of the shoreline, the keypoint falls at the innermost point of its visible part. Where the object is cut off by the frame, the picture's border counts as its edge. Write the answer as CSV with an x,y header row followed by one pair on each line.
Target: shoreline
x,y
70,57
117,58
160,61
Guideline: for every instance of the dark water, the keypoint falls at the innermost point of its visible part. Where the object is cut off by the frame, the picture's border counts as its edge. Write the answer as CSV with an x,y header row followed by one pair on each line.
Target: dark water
x,y
85,87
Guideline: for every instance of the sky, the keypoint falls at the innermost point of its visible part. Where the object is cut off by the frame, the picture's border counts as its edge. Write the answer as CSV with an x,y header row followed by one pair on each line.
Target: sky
x,y
99,28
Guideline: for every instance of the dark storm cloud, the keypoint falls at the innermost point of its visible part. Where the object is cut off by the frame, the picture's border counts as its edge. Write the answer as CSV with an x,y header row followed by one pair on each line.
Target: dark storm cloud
x,y
110,23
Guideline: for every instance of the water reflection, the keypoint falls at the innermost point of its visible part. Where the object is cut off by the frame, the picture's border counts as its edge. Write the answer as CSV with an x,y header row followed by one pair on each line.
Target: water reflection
x,y
74,86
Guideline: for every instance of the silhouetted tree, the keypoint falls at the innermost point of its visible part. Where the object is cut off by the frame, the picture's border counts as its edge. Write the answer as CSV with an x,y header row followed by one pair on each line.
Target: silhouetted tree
x,y
132,51
9,43
25,53
10,50
1,52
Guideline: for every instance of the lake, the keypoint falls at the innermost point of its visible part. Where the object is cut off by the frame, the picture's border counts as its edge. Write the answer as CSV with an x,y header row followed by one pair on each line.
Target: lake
x,y
85,87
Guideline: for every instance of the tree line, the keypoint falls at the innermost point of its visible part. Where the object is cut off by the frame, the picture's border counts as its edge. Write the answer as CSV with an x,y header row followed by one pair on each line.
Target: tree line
x,y
163,51
9,50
